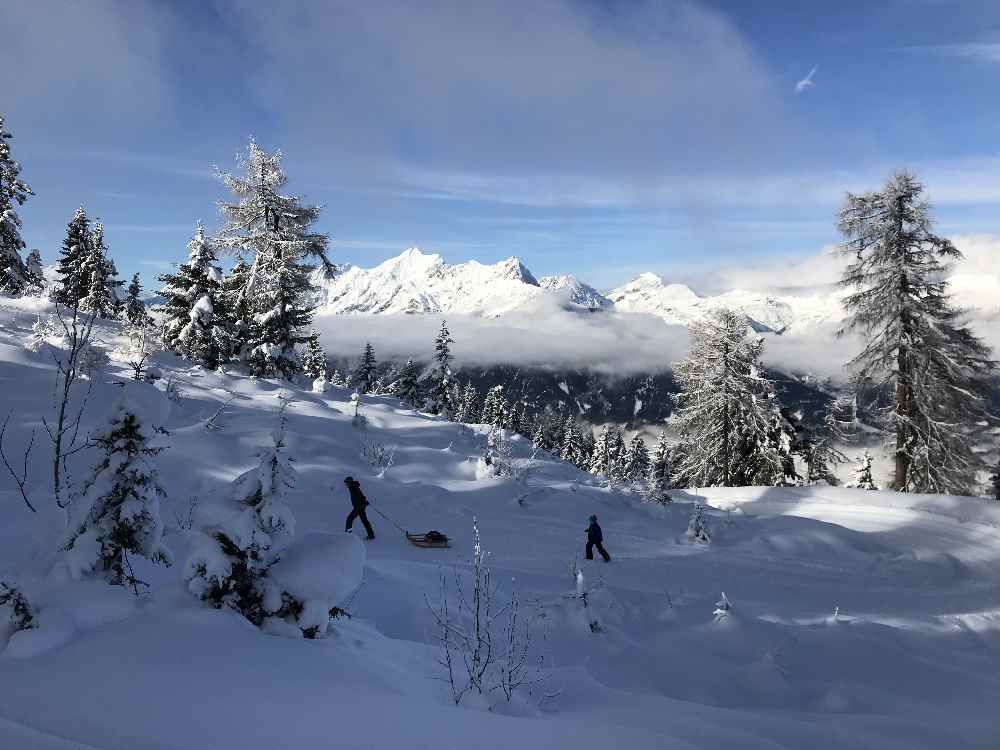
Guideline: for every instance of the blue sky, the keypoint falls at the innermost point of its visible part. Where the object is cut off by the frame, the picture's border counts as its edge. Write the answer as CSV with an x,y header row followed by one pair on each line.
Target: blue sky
x,y
596,137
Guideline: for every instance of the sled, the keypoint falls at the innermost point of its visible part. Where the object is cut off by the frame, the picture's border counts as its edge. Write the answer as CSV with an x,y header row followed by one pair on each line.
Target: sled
x,y
430,539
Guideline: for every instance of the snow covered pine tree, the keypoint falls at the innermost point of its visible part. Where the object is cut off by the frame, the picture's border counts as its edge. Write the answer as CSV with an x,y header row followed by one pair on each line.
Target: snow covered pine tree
x,y
102,278
440,397
636,461
995,482
863,479
726,408
118,510
406,388
366,373
276,290
14,274
194,312
916,343
73,281
494,407
660,469
134,311
314,363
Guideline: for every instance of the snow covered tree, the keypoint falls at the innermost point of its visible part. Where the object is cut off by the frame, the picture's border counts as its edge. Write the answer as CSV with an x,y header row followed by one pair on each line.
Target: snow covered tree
x,y
587,443
512,417
314,363
21,613
660,469
917,344
406,388
14,274
468,410
134,311
229,569
619,456
102,278
194,312
863,479
276,229
73,279
538,441
236,317
571,449
726,408
494,407
602,462
995,482
821,453
441,392
366,373
636,460
118,510
36,272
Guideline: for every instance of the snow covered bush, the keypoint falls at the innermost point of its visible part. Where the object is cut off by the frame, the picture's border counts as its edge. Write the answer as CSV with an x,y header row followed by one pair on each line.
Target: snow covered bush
x,y
21,614
118,510
142,343
697,530
321,384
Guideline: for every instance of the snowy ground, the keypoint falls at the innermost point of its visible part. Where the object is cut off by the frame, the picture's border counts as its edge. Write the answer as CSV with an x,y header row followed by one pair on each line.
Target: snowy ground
x,y
911,661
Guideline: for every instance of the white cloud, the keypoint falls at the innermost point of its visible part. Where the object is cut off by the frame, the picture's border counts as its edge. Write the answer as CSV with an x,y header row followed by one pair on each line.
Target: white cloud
x,y
807,82
984,51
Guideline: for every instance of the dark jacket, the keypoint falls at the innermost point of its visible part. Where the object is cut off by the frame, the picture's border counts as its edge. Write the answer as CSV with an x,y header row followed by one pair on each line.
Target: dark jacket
x,y
594,533
358,499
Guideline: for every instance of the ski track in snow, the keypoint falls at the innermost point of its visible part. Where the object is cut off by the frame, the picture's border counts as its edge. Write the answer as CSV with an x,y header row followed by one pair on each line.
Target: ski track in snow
x,y
911,661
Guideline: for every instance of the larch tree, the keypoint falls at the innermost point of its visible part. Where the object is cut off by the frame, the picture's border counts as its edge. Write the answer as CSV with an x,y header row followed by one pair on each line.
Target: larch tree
x,y
726,408
194,312
276,229
73,282
14,274
917,345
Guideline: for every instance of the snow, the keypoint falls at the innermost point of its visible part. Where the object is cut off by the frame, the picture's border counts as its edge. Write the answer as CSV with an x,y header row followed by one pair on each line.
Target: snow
x,y
858,619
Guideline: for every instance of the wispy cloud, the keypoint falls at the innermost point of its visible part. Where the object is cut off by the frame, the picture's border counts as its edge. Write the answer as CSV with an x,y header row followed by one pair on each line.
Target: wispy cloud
x,y
982,51
807,82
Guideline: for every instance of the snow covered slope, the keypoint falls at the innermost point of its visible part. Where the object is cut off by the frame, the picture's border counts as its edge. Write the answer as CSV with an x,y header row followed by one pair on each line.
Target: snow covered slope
x,y
858,619
417,282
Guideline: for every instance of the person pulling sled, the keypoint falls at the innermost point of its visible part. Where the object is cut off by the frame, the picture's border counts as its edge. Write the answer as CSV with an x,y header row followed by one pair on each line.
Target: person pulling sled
x,y
358,504
595,538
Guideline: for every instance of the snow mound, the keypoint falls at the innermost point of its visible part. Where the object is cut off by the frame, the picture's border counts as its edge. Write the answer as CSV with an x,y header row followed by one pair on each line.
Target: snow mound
x,y
321,567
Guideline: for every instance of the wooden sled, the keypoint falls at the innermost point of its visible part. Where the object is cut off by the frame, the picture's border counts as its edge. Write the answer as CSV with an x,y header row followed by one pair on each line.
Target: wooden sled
x,y
430,539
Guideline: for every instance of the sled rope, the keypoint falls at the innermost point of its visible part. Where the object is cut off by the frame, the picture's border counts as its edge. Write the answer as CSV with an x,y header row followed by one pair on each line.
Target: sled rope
x,y
388,519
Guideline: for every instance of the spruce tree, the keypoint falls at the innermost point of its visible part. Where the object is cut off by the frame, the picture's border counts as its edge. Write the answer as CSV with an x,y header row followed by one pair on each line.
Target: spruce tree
x,y
407,388
571,449
314,363
441,392
276,229
995,482
587,443
636,460
237,316
73,282
14,274
917,344
494,407
821,453
863,479
195,320
102,278
468,411
134,311
538,438
602,462
366,372
118,511
619,456
726,408
512,417
660,469
36,272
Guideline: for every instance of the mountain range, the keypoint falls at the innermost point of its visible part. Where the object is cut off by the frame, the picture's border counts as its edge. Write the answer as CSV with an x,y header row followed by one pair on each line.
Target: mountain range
x,y
415,282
